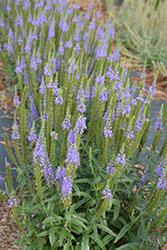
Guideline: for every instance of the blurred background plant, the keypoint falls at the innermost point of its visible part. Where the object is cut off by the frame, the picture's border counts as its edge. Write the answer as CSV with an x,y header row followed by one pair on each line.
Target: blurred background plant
x,y
142,27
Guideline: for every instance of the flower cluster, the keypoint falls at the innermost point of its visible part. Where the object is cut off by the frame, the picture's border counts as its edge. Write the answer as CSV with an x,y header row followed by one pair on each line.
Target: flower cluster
x,y
65,183
110,168
121,158
12,200
159,122
161,171
15,133
107,193
1,179
40,154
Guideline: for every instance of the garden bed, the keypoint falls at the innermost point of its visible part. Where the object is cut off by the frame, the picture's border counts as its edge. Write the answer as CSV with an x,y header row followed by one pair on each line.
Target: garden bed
x,y
8,233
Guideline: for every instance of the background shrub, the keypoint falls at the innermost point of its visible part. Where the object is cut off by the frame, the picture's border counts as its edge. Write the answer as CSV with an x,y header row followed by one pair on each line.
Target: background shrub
x,y
141,25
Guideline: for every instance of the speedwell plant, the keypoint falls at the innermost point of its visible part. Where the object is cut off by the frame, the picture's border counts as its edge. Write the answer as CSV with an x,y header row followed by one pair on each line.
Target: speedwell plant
x,y
84,181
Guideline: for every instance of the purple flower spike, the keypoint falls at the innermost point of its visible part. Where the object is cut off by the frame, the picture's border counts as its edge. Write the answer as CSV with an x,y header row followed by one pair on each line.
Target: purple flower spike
x,y
10,35
121,158
80,125
65,183
152,89
66,124
33,109
9,47
92,24
16,100
71,137
61,50
103,97
145,175
40,154
72,66
12,201
19,21
98,14
47,70
159,122
33,63
68,44
108,130
116,55
107,193
32,136
42,87
73,155
38,59
59,100
81,107
162,183
129,133
110,168
90,6
54,135
1,179
60,174
15,134
20,40
161,171
76,6
66,187
8,7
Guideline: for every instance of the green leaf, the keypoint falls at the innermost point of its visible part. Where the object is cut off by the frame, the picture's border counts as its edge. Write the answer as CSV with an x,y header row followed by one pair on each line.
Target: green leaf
x,y
83,194
95,229
156,5
98,241
53,198
62,235
51,213
106,229
52,237
51,219
95,181
3,196
107,239
81,202
123,232
44,233
80,218
128,246
28,248
76,189
76,229
39,242
85,242
67,245
83,180
95,162
116,211
77,222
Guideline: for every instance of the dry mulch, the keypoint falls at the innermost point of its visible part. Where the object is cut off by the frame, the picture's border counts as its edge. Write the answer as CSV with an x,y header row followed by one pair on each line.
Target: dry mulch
x,y
8,232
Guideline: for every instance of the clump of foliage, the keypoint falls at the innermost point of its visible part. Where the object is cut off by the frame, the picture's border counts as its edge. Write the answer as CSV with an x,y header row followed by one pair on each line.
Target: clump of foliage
x,y
142,26
78,133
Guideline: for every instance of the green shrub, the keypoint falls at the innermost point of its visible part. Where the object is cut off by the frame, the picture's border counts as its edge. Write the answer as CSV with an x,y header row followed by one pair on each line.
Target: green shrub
x,y
78,133
143,30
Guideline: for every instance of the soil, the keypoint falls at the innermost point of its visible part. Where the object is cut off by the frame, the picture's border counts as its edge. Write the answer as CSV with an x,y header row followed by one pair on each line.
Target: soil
x,y
8,232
